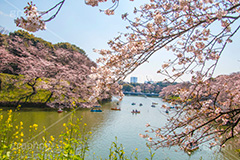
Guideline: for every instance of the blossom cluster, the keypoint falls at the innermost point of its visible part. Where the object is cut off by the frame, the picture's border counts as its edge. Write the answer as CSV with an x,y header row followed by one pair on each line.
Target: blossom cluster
x,y
94,2
33,22
104,85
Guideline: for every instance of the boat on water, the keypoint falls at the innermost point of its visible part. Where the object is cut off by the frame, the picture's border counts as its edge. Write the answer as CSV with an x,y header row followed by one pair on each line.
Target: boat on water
x,y
154,103
167,111
135,111
60,110
116,109
140,104
133,103
95,110
96,106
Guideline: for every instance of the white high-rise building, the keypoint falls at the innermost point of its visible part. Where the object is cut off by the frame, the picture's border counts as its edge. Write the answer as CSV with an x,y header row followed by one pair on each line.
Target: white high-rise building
x,y
133,79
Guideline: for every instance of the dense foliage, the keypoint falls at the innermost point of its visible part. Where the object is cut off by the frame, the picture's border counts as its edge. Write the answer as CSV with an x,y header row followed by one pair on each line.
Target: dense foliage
x,y
58,72
211,112
71,47
30,37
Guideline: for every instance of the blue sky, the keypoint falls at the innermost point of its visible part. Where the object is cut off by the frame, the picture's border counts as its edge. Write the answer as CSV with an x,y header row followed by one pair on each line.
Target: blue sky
x,y
86,27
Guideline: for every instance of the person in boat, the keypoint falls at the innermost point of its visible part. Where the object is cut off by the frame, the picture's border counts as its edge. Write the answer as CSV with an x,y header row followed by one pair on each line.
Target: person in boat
x,y
133,110
136,111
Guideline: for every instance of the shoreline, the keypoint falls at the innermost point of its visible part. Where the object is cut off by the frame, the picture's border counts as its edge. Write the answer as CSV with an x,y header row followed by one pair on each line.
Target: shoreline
x,y
40,106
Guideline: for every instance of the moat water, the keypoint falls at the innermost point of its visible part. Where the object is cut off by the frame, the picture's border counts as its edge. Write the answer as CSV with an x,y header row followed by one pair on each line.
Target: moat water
x,y
124,125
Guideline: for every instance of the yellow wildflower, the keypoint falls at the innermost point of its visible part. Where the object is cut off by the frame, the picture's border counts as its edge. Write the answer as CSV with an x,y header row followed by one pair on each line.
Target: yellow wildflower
x,y
52,138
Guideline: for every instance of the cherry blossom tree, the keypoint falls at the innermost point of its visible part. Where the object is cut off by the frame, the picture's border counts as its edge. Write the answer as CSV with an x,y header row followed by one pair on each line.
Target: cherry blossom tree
x,y
62,72
171,90
210,113
188,30
196,33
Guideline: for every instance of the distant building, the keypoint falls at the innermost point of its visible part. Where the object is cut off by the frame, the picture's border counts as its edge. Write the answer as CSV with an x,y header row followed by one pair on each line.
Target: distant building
x,y
133,80
149,82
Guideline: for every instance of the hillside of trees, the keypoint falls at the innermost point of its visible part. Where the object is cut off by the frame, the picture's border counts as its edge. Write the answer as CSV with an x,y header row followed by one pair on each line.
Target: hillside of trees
x,y
172,91
145,87
33,70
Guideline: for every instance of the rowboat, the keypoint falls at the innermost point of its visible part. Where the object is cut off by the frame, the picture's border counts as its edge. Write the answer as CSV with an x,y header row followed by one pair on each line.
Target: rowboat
x,y
96,110
116,109
133,103
135,112
154,103
60,110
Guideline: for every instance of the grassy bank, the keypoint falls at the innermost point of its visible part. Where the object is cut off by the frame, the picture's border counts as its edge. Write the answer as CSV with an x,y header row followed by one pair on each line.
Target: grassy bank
x,y
13,88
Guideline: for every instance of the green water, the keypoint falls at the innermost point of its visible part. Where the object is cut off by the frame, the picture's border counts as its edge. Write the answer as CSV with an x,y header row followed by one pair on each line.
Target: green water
x,y
108,124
